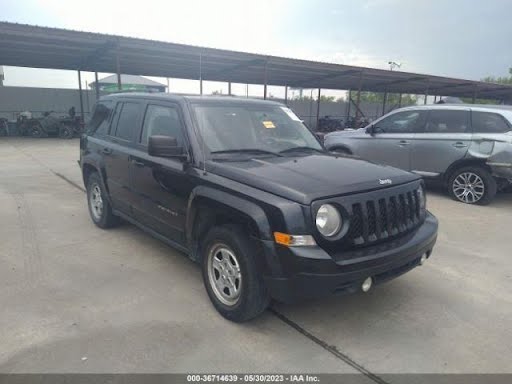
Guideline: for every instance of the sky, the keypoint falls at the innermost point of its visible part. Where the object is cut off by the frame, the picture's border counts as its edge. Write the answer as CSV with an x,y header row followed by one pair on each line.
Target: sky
x,y
467,39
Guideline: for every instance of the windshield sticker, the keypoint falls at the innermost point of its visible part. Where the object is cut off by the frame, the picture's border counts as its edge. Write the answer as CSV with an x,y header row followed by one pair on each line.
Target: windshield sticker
x,y
290,113
268,124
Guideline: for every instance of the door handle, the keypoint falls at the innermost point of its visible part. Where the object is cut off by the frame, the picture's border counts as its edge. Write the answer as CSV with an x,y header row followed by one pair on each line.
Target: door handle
x,y
138,163
403,142
459,144
107,151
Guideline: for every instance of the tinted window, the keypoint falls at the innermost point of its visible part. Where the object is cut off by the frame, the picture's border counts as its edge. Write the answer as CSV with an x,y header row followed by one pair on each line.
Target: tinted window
x,y
162,121
127,121
99,123
401,122
447,122
486,122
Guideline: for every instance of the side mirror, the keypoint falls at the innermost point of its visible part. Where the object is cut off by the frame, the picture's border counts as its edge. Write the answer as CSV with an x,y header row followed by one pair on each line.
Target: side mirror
x,y
164,146
370,130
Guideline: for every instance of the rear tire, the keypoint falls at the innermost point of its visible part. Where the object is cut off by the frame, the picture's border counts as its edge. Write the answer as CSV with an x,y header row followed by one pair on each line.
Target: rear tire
x,y
230,274
36,131
472,185
66,132
100,209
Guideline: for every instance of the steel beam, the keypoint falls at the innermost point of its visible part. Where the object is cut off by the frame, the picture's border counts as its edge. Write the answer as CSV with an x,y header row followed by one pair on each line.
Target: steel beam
x,y
118,70
286,94
349,104
96,85
384,103
229,88
81,95
318,108
399,100
358,109
265,80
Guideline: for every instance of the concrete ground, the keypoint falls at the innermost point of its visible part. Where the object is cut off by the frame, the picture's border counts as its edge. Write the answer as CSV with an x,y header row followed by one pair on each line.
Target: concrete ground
x,y
74,298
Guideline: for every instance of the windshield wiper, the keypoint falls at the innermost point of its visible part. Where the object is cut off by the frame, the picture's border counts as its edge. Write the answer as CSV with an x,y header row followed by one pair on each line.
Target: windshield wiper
x,y
292,149
248,150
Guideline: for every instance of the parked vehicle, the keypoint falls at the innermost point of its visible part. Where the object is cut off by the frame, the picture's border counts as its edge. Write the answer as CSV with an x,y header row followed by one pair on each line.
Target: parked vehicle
x,y
329,124
50,124
467,147
245,189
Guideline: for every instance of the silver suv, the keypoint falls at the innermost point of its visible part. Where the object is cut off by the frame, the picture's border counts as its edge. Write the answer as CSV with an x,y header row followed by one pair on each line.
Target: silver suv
x,y
468,147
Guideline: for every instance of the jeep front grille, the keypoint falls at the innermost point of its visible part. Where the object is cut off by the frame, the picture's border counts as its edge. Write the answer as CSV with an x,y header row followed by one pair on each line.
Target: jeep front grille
x,y
373,220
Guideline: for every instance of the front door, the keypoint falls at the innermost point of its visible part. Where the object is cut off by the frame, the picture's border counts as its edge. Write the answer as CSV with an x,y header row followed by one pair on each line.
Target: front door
x,y
161,185
444,139
393,138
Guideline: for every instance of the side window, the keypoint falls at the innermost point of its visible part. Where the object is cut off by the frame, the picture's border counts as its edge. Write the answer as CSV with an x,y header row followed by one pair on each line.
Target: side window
x,y
486,122
445,121
401,122
127,122
99,123
162,121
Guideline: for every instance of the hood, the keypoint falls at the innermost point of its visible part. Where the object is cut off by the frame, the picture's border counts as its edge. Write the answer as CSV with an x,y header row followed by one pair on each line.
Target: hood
x,y
308,178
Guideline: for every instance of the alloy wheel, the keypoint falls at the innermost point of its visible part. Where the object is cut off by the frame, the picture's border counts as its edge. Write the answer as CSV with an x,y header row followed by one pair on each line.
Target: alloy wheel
x,y
96,201
224,274
468,187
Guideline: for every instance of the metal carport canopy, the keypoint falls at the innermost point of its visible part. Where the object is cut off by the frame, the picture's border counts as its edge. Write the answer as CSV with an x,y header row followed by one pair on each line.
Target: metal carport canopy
x,y
41,47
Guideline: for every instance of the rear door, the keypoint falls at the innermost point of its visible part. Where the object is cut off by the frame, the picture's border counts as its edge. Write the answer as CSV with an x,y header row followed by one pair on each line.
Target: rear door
x,y
119,141
161,185
393,139
444,139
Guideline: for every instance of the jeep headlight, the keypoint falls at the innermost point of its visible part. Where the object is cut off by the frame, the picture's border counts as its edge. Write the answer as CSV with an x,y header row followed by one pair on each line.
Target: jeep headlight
x,y
422,198
328,220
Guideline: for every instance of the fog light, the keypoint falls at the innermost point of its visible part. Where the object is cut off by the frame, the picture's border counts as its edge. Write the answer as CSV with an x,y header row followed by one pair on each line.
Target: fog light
x,y
367,284
423,259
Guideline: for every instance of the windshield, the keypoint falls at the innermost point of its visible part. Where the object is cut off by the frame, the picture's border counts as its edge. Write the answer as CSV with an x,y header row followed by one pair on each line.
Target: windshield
x,y
263,129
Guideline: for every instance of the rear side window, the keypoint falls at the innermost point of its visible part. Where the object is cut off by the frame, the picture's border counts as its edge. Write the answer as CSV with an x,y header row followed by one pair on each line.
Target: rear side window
x,y
127,123
98,125
162,121
447,122
400,122
487,122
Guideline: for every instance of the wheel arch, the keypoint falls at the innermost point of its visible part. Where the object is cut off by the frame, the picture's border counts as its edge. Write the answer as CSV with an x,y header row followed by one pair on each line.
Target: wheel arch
x,y
208,207
466,162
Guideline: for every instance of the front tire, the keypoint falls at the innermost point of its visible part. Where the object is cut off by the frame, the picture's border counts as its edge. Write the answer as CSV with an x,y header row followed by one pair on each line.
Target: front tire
x,y
230,274
66,132
99,206
472,185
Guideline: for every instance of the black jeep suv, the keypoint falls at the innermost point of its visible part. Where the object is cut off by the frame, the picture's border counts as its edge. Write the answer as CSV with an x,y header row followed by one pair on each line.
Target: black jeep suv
x,y
245,189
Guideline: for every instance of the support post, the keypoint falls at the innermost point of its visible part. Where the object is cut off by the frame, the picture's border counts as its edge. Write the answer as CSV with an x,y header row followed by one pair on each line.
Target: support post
x,y
384,103
318,108
286,94
349,105
399,100
168,86
201,74
265,78
229,88
474,95
81,96
118,69
96,85
358,102
426,93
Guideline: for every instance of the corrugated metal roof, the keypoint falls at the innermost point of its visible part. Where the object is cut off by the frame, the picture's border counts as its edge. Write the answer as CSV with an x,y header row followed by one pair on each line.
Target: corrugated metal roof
x,y
41,47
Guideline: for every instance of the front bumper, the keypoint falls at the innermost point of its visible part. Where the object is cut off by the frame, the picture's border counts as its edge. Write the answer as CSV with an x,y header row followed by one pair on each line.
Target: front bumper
x,y
309,272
